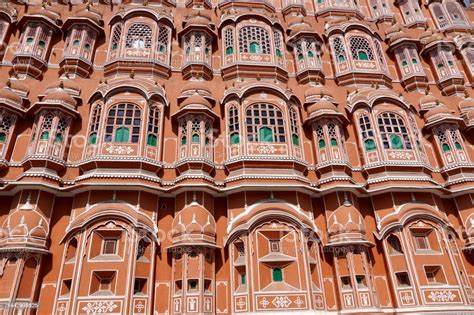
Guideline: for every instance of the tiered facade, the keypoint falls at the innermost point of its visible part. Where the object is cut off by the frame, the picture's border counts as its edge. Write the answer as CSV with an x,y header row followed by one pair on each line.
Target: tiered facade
x,y
236,156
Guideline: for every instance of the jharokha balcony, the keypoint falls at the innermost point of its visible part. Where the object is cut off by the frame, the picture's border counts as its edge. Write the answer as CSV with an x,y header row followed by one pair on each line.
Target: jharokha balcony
x,y
140,45
253,46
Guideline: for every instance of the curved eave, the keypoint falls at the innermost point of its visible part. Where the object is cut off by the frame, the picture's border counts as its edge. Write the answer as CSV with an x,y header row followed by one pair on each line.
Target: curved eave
x,y
192,244
9,15
243,15
320,114
191,27
372,99
54,105
442,120
13,106
242,92
141,11
300,34
82,20
436,44
345,27
104,92
55,25
195,108
392,46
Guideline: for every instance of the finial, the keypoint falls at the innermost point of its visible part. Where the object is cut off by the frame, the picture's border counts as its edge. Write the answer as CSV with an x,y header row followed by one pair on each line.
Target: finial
x,y
132,74
9,82
114,195
27,205
61,85
413,198
194,198
466,94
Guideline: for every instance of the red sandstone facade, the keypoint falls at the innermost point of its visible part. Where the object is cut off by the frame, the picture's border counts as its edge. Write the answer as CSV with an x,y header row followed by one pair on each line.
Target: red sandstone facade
x,y
161,157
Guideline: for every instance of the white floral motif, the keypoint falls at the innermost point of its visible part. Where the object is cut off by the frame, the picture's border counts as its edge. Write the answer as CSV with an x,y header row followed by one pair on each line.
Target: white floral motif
x,y
101,307
299,301
265,149
119,149
442,296
401,155
281,301
264,302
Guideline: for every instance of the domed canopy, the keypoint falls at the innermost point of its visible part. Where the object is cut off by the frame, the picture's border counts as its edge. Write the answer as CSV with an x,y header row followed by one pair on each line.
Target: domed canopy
x,y
317,92
88,15
47,15
299,27
70,86
346,226
194,225
439,114
466,104
427,102
198,20
197,86
11,98
396,35
60,97
321,109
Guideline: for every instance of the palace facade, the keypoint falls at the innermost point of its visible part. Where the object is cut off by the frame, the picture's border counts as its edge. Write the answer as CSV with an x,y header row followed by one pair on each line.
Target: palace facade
x,y
236,156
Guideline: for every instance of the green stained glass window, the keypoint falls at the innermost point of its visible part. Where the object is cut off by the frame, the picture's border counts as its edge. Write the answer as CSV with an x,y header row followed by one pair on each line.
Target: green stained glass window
x,y
333,142
322,144
446,147
234,138
369,144
184,140
254,48
122,134
341,58
296,139
396,142
44,135
93,138
195,138
58,138
151,140
362,55
277,275
265,134
458,146
3,137
229,50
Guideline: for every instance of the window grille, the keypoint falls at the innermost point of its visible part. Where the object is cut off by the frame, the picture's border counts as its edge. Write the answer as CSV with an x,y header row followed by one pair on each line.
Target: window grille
x,y
123,120
339,50
360,48
265,124
139,36
393,131
253,39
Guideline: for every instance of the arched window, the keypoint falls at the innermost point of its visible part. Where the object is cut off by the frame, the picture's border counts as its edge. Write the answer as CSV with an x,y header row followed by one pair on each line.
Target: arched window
x,y
116,36
277,275
234,125
265,120
139,35
6,124
360,48
395,245
278,45
153,125
393,131
123,120
46,127
163,39
196,130
339,50
229,41
367,133
254,39
294,123
455,12
94,124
